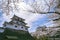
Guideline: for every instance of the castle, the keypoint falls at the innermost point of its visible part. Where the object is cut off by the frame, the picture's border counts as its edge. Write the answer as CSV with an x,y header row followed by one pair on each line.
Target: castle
x,y
14,30
16,23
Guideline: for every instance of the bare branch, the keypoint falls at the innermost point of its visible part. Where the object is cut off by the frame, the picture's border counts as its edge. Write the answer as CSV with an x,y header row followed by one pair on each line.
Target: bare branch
x,y
37,8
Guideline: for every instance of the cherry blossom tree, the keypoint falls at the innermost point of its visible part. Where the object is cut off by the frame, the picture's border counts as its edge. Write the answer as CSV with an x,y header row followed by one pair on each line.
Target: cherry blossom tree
x,y
44,6
39,6
8,6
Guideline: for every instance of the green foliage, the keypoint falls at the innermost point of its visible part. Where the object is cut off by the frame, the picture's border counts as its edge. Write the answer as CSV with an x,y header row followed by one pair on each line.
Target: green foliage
x,y
41,37
22,35
1,36
35,38
57,34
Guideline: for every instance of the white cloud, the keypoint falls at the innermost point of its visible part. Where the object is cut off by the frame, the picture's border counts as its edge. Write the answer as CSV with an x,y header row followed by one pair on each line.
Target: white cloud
x,y
1,21
23,13
29,17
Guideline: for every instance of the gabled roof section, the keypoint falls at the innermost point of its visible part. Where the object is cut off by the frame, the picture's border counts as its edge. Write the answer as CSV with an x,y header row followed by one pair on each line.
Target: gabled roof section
x,y
27,26
5,23
56,19
1,27
17,18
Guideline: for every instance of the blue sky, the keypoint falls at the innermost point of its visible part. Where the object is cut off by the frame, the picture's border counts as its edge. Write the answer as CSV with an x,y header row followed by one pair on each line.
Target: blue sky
x,y
33,24
39,22
32,20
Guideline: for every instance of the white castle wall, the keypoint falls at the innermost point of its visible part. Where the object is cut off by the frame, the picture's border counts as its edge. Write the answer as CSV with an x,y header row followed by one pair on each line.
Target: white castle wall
x,y
1,30
19,27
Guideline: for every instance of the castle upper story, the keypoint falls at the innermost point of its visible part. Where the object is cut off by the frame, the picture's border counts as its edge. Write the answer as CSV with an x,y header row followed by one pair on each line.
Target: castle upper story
x,y
16,23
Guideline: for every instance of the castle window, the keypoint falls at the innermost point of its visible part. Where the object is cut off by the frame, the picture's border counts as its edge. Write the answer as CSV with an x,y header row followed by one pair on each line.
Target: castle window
x,y
21,27
5,25
25,28
15,26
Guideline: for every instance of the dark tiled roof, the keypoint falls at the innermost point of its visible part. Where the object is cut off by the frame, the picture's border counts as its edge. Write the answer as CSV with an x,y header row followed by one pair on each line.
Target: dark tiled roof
x,y
1,27
17,18
56,19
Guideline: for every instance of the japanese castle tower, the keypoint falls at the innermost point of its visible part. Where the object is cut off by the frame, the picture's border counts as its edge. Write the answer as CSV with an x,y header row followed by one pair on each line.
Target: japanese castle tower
x,y
16,23
16,29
